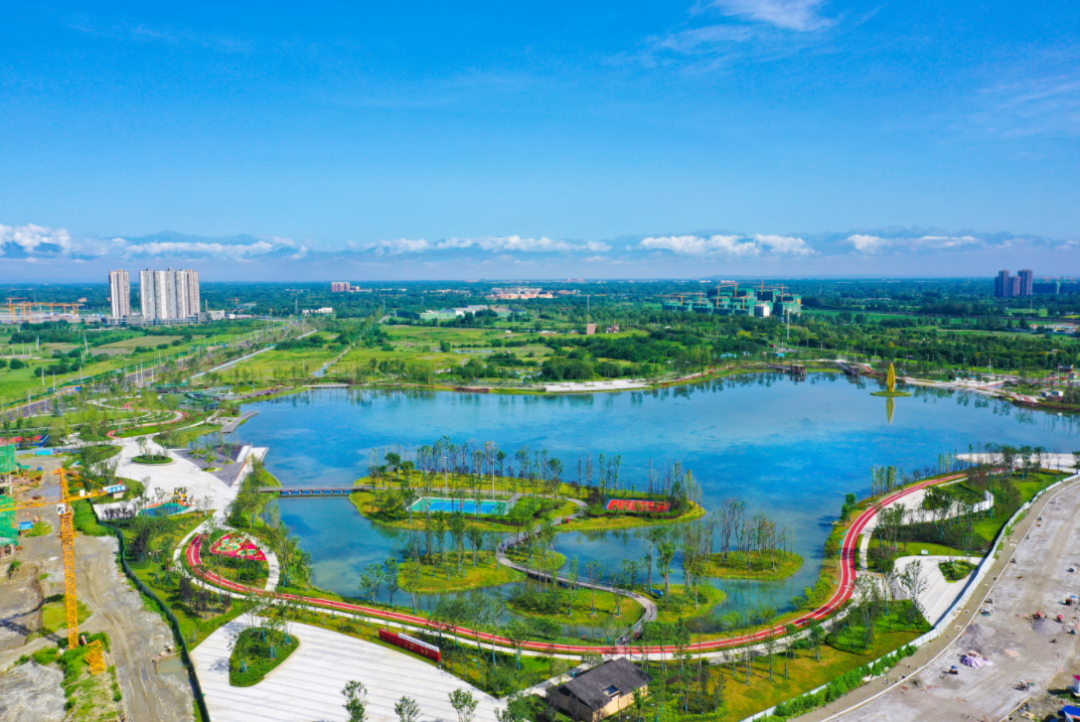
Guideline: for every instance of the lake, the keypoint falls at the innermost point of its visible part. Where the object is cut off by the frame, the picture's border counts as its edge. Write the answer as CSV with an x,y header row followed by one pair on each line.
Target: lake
x,y
788,448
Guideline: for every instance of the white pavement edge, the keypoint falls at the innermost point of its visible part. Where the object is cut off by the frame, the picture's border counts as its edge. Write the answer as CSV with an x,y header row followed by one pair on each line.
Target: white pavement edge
x,y
307,686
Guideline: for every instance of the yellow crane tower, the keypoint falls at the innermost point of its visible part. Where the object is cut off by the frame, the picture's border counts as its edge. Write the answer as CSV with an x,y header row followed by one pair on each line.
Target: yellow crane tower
x,y
95,656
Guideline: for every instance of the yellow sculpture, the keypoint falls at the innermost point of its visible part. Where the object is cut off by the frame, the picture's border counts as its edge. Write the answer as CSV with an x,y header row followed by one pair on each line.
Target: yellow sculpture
x,y
890,385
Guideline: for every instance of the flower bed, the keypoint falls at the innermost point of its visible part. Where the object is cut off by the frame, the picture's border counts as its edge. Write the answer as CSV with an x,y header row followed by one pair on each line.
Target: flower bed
x,y
638,505
237,547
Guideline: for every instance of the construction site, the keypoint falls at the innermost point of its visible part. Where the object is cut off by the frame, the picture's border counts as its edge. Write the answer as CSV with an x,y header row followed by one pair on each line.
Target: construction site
x,y
76,641
23,310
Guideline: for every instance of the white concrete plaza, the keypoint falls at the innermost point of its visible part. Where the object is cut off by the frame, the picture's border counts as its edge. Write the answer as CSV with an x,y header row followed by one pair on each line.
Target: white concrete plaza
x,y
939,594
181,473
307,686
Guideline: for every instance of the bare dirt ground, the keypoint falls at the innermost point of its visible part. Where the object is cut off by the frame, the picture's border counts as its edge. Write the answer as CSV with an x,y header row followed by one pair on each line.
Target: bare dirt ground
x,y
137,635
1020,647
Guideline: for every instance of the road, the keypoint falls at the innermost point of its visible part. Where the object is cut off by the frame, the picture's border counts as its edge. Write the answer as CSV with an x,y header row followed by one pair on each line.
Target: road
x,y
1020,647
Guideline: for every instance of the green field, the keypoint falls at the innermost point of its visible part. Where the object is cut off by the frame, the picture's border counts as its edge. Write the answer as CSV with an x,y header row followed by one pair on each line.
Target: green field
x,y
17,384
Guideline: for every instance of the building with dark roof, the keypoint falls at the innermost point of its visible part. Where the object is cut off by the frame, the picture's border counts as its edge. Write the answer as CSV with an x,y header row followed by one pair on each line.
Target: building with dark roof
x,y
600,692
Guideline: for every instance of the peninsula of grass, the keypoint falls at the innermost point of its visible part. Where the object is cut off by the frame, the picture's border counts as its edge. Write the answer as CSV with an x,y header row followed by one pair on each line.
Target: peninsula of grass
x,y
256,653
890,394
681,604
957,569
441,574
614,522
564,606
765,566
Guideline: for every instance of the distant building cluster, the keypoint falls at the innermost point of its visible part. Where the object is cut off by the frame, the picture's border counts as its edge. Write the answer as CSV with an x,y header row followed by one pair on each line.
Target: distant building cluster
x,y
165,297
1056,286
449,314
518,293
1022,284
346,287
590,329
324,311
730,300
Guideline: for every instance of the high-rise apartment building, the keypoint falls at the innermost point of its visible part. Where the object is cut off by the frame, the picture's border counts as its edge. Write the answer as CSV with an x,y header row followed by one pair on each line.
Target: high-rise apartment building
x,y
1027,282
168,295
339,287
1003,285
120,293
1022,284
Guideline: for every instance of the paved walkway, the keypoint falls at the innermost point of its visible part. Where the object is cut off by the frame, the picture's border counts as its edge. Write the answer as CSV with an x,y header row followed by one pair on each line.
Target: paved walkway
x,y
307,686
939,594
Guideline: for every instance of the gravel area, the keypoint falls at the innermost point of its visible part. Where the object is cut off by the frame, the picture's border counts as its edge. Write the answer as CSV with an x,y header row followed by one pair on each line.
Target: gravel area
x,y
31,693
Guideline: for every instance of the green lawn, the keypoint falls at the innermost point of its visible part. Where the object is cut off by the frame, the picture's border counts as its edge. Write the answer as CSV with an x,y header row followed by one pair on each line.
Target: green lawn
x,y
442,575
679,604
16,383
542,607
54,614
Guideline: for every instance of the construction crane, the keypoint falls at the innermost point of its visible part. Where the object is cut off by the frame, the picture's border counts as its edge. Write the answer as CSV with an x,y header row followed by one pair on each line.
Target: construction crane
x,y
21,307
95,655
683,296
17,306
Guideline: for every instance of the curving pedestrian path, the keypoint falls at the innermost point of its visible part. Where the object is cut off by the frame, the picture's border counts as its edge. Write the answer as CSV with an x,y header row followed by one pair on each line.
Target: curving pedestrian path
x,y
849,554
546,576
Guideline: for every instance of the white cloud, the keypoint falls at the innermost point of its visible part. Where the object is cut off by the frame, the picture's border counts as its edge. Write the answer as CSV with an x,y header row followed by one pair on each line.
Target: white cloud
x,y
198,248
876,244
401,245
731,246
33,239
491,244
799,15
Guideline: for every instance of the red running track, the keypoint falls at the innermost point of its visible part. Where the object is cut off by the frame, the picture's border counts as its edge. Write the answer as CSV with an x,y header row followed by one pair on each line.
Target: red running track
x,y
849,554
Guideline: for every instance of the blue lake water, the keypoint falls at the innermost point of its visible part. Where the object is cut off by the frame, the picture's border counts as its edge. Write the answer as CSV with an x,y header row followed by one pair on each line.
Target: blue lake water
x,y
788,448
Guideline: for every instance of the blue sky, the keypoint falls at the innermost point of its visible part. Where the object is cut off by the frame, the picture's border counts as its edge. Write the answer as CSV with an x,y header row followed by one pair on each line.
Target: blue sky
x,y
602,139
